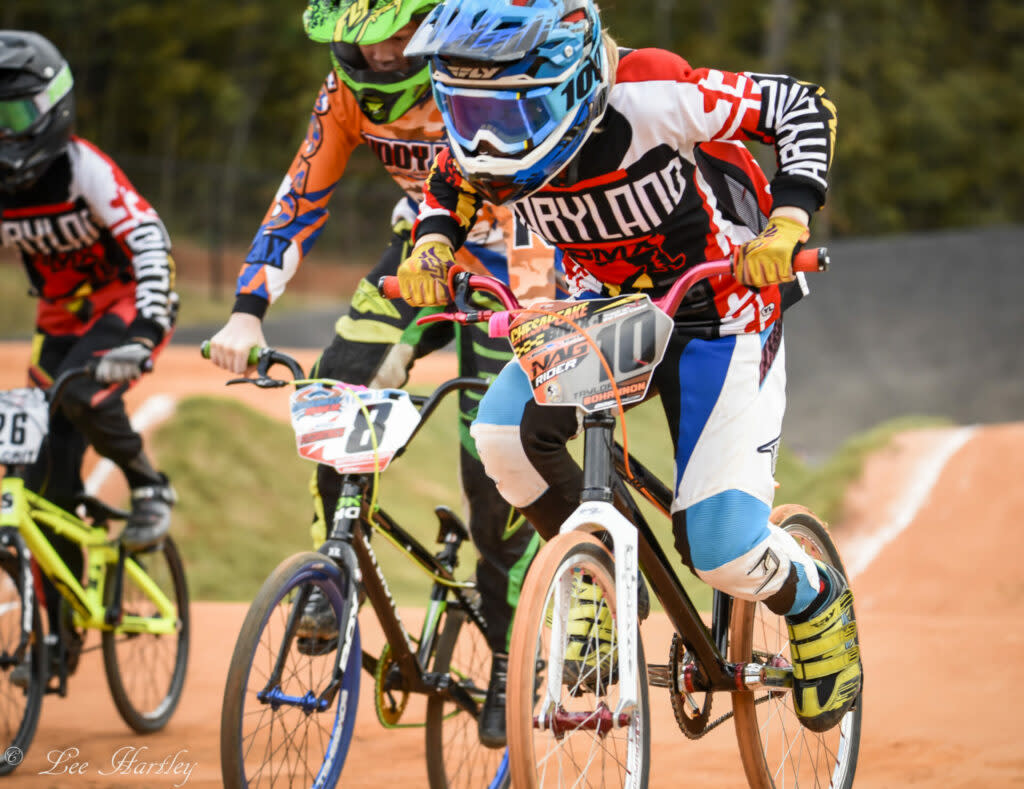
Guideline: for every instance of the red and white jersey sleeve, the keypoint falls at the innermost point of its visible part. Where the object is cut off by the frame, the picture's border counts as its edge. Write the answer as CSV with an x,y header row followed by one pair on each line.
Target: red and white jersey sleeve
x,y
135,226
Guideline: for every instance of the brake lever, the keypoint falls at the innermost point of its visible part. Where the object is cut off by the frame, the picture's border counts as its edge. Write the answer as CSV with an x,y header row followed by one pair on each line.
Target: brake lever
x,y
461,292
262,379
263,382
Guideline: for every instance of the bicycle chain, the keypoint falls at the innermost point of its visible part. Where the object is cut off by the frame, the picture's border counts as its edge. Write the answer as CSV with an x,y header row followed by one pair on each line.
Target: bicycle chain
x,y
694,727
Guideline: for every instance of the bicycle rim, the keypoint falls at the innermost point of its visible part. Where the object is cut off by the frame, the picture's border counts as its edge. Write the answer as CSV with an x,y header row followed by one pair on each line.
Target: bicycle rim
x,y
19,707
455,757
146,671
585,745
777,751
278,740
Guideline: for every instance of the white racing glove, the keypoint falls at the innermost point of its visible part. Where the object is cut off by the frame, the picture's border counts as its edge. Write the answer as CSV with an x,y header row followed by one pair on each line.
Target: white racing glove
x,y
123,363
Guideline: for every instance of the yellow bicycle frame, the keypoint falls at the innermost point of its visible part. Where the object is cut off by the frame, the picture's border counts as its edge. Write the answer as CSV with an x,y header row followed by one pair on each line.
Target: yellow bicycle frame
x,y
26,510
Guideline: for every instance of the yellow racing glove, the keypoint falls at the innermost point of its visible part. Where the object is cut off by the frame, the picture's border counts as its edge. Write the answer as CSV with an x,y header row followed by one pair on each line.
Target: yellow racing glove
x,y
423,276
768,258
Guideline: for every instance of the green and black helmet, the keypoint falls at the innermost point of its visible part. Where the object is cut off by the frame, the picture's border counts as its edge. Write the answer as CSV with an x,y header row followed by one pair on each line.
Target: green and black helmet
x,y
383,96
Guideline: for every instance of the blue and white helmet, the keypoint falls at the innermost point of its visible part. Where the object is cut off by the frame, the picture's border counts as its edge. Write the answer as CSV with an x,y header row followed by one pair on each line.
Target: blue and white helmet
x,y
520,84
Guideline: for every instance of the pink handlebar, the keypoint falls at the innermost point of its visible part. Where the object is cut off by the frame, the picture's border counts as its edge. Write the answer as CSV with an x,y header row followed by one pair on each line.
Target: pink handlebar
x,y
807,260
499,324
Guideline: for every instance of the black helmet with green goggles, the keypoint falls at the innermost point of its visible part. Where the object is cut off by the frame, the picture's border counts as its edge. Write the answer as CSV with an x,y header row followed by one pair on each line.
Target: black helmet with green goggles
x,y
37,107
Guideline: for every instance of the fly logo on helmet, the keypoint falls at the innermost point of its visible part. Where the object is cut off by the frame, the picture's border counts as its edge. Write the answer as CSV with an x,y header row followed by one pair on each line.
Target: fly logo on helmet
x,y
520,87
473,72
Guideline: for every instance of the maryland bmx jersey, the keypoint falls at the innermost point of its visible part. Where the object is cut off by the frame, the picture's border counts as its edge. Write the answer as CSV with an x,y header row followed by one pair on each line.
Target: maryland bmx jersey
x,y
91,244
406,148
664,183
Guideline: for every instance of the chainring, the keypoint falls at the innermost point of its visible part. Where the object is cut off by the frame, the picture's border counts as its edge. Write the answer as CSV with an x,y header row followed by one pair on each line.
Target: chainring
x,y
389,702
692,722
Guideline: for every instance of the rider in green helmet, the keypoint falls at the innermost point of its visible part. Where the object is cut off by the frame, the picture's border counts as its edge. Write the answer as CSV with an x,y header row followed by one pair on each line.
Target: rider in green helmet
x,y
376,96
349,26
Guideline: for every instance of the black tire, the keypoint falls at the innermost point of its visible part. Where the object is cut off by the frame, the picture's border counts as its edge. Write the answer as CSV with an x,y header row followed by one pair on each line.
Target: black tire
x,y
575,754
307,754
146,672
19,707
455,757
767,728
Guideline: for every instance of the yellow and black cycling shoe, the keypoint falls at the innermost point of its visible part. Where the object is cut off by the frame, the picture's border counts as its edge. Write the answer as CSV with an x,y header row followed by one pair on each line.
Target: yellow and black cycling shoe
x,y
591,658
827,672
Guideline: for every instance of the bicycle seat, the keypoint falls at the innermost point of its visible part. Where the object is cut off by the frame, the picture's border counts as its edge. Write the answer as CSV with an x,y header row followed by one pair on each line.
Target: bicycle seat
x,y
100,512
449,522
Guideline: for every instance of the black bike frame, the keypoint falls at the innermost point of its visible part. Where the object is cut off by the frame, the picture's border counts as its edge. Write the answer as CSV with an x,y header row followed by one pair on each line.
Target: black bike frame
x,y
349,546
606,479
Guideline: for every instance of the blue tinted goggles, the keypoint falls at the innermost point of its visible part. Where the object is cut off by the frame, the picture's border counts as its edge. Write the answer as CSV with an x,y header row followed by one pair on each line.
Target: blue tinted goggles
x,y
508,121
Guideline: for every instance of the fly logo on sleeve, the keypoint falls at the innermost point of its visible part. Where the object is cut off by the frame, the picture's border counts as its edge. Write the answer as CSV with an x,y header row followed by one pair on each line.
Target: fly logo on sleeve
x,y
803,121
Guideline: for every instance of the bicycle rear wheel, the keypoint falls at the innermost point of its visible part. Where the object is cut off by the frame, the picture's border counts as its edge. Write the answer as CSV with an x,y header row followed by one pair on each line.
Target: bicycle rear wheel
x,y
455,757
581,744
775,748
146,671
19,706
274,731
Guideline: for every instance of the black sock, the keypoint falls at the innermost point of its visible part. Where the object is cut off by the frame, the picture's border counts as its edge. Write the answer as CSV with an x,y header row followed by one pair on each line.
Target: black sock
x,y
820,600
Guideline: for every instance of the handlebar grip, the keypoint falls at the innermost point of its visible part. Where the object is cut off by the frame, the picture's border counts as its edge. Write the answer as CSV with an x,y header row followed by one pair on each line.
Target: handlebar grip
x,y
499,324
811,260
388,287
254,352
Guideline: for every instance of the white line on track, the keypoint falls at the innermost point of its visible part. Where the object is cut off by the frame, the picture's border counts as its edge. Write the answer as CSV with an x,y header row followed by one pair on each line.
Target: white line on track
x,y
858,553
152,412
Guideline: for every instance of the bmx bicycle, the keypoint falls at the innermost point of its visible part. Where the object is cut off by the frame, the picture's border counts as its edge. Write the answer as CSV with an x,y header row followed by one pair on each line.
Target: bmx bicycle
x,y
290,700
569,726
138,601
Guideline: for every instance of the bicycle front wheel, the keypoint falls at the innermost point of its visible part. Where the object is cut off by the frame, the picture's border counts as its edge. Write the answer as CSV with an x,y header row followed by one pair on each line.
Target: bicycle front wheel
x,y
777,751
580,738
282,722
20,696
455,757
146,671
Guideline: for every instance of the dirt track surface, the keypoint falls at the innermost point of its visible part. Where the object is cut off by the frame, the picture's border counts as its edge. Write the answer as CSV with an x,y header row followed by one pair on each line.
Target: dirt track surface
x,y
940,606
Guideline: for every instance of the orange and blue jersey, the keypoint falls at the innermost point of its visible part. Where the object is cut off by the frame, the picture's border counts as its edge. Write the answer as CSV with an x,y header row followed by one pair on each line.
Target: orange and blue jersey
x,y
406,148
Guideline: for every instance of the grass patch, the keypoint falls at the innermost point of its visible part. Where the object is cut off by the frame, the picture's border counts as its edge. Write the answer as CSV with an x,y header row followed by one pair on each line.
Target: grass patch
x,y
245,504
18,317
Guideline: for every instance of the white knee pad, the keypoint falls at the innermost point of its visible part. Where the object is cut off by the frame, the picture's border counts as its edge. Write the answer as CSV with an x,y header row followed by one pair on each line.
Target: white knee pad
x,y
505,462
760,572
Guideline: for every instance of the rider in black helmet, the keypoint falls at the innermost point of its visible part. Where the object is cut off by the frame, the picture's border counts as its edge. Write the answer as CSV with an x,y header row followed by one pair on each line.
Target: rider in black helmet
x,y
97,257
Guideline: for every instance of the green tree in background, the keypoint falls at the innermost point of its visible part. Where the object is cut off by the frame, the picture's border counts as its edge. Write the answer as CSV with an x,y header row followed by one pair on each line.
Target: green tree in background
x,y
204,101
